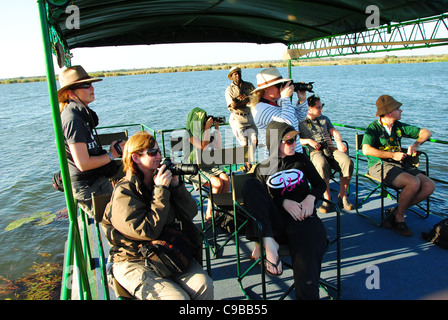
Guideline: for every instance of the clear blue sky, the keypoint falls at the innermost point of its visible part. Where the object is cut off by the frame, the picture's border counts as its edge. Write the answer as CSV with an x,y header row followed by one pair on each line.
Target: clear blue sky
x,y
21,52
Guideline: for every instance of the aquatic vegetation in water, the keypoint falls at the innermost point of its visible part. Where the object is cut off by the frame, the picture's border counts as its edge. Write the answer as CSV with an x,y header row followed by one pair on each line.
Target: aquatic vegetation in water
x,y
43,282
39,218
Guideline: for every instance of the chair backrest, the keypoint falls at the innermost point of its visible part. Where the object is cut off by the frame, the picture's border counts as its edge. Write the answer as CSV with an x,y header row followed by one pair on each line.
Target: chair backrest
x,y
99,203
226,156
358,141
106,138
238,180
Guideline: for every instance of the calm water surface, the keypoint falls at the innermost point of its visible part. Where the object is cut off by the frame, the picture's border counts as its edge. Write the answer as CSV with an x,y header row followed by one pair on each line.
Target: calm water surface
x,y
28,156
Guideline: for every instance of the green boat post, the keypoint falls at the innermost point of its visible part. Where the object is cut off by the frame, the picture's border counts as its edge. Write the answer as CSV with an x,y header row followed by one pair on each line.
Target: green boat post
x,y
74,241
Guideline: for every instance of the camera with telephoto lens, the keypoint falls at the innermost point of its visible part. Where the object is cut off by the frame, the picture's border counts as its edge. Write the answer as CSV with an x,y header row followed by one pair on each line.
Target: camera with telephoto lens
x,y
178,169
218,119
303,86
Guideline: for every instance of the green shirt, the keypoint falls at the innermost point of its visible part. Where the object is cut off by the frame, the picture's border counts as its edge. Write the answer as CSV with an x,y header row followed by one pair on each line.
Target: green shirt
x,y
378,137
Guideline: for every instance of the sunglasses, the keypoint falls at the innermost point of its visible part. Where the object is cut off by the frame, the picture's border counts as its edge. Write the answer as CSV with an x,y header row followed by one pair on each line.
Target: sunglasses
x,y
153,152
290,141
82,86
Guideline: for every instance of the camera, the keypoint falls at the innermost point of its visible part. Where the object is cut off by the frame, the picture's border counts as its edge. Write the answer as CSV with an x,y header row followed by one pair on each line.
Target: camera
x,y
118,148
303,86
178,169
326,150
218,119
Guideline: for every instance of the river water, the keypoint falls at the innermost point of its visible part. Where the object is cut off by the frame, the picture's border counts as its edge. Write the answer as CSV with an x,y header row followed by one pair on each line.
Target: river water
x,y
28,156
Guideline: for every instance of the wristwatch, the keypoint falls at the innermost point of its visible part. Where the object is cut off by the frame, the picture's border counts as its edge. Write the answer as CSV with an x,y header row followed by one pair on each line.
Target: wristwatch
x,y
111,156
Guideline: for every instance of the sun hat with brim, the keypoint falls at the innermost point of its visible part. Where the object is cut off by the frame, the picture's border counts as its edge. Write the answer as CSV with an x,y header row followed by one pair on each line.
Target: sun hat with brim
x,y
73,76
232,70
269,77
386,104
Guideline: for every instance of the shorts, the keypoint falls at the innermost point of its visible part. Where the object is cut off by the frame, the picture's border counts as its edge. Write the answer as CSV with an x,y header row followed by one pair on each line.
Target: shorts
x,y
209,172
392,170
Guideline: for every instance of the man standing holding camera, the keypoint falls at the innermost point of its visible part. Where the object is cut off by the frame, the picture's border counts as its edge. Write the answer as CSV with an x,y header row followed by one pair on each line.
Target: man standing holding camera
x,y
237,96
316,132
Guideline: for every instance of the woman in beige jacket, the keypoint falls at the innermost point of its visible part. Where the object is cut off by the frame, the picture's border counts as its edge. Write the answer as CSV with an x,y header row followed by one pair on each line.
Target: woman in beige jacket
x,y
143,203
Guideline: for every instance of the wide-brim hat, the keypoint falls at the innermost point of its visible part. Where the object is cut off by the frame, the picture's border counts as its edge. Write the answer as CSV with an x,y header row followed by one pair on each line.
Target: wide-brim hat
x,y
232,70
72,76
269,77
386,104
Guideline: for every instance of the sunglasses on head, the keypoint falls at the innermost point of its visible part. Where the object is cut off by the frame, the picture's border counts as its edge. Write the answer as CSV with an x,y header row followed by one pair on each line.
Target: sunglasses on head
x,y
82,86
290,141
153,152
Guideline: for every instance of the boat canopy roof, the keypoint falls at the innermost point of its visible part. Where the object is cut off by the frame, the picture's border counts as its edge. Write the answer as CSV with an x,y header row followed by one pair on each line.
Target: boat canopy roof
x,y
138,22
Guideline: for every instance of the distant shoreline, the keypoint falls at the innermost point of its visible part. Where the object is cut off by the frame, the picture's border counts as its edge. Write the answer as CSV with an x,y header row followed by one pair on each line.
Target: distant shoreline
x,y
389,59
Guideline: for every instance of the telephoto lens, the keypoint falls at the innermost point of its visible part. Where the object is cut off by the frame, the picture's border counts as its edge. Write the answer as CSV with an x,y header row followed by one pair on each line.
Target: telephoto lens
x,y
303,86
178,169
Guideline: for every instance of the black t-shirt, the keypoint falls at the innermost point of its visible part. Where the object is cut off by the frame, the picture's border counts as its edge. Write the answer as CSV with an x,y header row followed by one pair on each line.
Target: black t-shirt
x,y
77,127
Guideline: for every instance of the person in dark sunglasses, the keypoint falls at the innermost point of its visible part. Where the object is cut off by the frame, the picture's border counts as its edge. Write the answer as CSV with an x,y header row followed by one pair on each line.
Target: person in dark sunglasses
x,y
282,196
316,134
146,201
90,165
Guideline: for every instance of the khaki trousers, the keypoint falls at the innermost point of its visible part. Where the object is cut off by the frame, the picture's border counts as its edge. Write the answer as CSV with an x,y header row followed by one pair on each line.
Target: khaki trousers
x,y
145,284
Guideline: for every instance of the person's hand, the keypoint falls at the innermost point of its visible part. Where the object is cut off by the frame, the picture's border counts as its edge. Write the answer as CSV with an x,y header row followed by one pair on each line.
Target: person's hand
x,y
287,90
208,123
242,97
163,177
341,146
112,149
301,95
307,206
412,150
293,208
314,144
399,156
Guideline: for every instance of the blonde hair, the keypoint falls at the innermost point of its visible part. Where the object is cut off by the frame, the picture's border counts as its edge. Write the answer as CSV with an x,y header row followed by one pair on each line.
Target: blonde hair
x,y
255,98
138,143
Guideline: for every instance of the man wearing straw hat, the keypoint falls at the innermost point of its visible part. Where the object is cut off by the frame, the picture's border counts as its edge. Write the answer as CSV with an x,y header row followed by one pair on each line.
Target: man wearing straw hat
x,y
237,97
382,139
271,101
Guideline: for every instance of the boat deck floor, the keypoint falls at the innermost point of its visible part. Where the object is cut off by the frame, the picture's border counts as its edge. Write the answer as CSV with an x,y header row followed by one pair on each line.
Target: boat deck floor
x,y
376,263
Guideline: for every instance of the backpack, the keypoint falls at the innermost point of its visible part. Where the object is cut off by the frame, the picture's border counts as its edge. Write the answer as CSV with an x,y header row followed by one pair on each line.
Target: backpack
x,y
170,254
438,234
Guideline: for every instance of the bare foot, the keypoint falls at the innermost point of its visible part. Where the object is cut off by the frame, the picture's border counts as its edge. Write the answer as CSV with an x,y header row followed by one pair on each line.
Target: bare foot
x,y
273,264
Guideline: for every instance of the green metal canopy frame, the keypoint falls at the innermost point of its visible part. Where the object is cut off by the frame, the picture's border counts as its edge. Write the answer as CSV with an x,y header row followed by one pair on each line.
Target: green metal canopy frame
x,y
302,25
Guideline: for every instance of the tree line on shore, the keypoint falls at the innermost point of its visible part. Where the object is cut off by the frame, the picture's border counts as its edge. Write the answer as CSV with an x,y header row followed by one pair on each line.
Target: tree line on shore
x,y
388,59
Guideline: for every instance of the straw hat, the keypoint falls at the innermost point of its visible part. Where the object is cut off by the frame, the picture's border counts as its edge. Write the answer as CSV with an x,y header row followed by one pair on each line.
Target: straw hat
x,y
386,104
232,70
72,76
269,77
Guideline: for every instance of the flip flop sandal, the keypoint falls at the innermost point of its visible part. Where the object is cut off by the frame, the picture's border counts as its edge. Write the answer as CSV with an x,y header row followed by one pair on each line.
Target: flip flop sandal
x,y
274,265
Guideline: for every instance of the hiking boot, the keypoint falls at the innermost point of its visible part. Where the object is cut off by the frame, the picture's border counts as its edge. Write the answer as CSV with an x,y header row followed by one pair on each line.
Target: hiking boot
x,y
402,229
345,203
390,217
325,207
